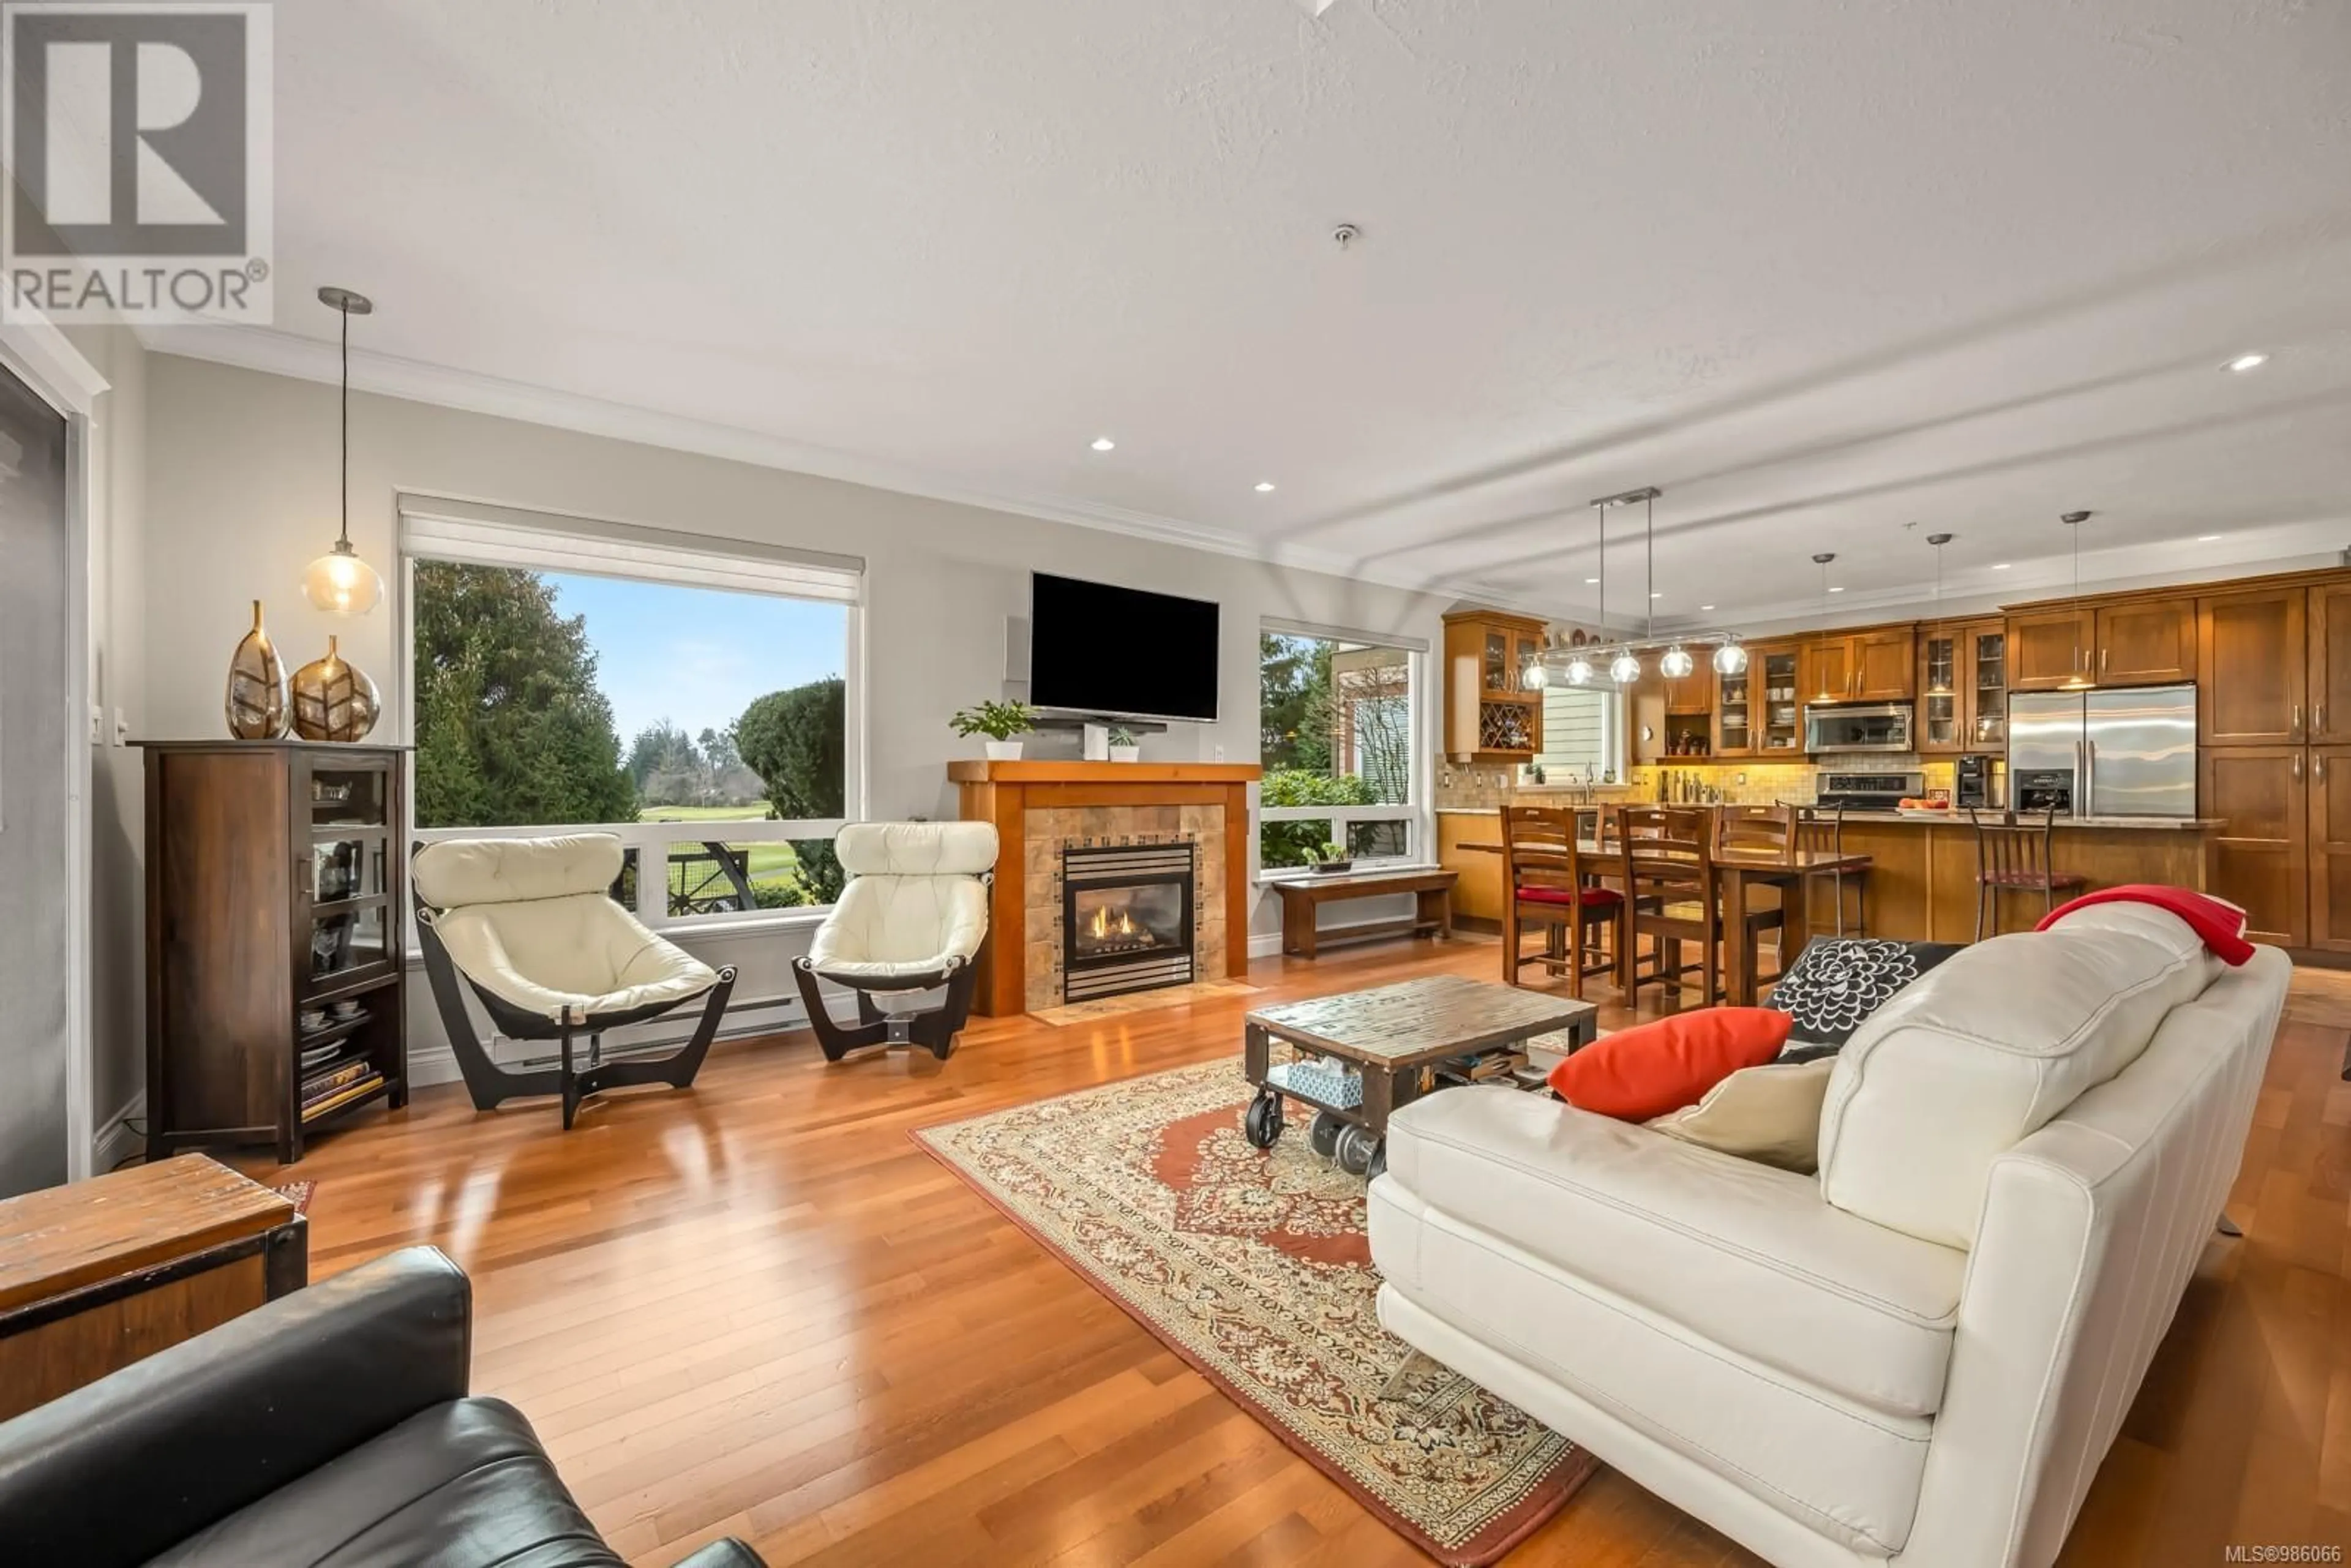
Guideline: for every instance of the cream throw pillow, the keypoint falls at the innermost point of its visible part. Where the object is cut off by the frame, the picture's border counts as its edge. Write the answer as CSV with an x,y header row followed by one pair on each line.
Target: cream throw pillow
x,y
1770,1114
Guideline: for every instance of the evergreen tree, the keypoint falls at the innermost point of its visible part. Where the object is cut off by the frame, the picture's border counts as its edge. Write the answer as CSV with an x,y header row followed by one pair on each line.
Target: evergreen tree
x,y
511,729
796,740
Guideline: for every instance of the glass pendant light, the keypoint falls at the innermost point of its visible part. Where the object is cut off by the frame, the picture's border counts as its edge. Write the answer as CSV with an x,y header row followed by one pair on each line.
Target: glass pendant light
x,y
1730,659
1624,669
338,581
1579,669
1676,662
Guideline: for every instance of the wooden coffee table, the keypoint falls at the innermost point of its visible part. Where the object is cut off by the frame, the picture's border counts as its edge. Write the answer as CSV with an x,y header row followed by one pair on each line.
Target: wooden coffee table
x,y
1394,1037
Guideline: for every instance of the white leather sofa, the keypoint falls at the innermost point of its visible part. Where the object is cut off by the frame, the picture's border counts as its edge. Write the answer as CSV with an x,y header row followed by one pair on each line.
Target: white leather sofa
x,y
1919,1356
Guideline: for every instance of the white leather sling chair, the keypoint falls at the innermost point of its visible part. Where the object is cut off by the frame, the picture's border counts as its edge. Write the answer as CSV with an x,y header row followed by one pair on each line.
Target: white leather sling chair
x,y
531,926
911,919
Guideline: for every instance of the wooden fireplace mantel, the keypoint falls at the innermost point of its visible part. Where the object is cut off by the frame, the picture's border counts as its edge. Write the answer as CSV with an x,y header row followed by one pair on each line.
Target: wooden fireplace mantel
x,y
1004,793
1066,773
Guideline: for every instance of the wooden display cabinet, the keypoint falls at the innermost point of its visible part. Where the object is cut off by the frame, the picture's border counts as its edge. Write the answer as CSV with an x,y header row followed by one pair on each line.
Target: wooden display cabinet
x,y
277,885
1493,709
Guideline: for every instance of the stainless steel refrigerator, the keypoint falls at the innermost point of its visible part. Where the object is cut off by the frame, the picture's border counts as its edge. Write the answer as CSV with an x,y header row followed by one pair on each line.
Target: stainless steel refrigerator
x,y
2116,753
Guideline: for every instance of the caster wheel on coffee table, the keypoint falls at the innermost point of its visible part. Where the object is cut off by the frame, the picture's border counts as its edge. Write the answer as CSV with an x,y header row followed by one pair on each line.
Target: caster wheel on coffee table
x,y
1357,1148
1261,1124
1324,1132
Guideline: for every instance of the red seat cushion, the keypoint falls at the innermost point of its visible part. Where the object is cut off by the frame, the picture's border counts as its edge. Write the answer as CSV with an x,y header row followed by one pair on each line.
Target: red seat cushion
x,y
1589,896
1642,1072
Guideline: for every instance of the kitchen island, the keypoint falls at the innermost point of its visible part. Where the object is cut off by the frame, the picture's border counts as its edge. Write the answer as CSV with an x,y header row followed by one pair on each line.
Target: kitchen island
x,y
1922,878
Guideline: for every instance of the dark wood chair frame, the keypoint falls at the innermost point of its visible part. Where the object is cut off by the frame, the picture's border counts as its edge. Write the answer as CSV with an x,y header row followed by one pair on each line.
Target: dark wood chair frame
x,y
1821,828
1668,855
2015,855
492,1085
932,1029
1540,850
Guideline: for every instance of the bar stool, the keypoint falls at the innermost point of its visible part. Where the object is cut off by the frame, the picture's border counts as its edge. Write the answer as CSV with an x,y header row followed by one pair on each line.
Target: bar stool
x,y
1540,860
1819,833
2013,856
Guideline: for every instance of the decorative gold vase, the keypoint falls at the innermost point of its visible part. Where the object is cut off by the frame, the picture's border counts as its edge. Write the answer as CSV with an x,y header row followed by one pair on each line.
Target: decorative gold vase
x,y
333,699
255,701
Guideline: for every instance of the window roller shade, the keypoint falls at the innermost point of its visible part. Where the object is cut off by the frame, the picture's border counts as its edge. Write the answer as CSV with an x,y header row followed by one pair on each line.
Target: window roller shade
x,y
482,535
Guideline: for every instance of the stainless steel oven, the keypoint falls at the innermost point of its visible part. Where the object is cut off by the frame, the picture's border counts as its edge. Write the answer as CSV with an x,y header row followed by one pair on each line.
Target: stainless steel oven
x,y
1857,727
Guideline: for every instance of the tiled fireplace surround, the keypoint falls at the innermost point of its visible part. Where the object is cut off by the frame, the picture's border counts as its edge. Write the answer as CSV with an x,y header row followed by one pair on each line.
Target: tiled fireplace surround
x,y
1045,835
1040,808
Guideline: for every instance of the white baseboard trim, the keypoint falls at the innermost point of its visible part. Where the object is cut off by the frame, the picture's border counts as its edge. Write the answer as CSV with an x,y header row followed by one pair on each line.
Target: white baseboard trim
x,y
116,1142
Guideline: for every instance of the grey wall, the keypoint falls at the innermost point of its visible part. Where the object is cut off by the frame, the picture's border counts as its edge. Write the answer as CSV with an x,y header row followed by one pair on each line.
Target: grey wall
x,y
241,493
34,831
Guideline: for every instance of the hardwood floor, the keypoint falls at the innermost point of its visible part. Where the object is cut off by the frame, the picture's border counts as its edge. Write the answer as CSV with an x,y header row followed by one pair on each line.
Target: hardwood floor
x,y
758,1309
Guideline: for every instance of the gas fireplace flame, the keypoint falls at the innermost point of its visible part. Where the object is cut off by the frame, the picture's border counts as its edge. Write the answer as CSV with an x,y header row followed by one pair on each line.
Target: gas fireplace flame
x,y
1103,928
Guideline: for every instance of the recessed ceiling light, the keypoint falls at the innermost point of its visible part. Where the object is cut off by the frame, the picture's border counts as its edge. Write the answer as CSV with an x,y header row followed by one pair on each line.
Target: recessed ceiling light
x,y
2000,566
1263,486
1657,596
2244,362
1706,607
1104,443
1590,581
1838,588
2205,538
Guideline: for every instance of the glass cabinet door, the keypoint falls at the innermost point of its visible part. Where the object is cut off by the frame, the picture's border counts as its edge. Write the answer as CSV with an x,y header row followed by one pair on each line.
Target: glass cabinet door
x,y
346,902
1526,654
1499,669
1987,695
1783,703
1732,712
1938,703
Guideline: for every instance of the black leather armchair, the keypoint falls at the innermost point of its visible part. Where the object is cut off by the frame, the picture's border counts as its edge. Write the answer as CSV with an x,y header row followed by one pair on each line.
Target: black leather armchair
x,y
331,1427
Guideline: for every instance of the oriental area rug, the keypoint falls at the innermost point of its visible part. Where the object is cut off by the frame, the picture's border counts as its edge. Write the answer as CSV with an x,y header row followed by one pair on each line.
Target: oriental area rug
x,y
1253,1266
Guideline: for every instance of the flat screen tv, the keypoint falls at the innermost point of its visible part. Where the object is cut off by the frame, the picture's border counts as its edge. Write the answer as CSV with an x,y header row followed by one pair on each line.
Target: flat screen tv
x,y
1119,652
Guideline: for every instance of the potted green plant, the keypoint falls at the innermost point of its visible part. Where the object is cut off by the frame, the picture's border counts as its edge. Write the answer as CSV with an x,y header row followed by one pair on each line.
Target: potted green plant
x,y
1329,858
1122,746
999,722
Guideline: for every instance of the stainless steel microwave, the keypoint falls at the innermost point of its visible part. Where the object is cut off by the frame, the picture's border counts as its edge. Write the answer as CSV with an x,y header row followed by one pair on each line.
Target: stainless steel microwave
x,y
1858,726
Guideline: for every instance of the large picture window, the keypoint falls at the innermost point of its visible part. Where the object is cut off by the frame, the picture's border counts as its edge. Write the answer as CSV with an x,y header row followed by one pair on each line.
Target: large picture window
x,y
699,705
1339,720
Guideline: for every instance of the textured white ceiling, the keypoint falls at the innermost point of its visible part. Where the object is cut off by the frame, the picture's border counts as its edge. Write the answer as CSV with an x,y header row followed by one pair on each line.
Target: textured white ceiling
x,y
1819,269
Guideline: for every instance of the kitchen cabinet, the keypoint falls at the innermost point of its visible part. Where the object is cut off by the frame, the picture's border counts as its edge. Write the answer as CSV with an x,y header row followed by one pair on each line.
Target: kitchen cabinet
x,y
2261,853
1983,674
1827,670
1736,709
1862,666
1776,689
1885,665
2145,642
1692,696
2329,852
1942,726
2252,655
2048,649
1493,708
2329,614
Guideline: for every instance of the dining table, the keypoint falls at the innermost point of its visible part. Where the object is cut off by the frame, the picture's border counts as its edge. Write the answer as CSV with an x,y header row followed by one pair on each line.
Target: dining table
x,y
1736,870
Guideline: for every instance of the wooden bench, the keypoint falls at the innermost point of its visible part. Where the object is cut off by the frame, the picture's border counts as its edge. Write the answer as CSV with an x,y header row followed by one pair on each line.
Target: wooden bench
x,y
1302,895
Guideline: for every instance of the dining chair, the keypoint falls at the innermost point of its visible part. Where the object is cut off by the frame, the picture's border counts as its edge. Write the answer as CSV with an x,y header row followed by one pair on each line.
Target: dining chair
x,y
2013,855
1767,831
1820,830
1546,875
1667,856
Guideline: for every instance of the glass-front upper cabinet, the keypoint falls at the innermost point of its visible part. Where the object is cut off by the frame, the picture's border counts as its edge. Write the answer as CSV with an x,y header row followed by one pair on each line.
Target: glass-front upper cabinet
x,y
1940,722
1783,705
1984,655
1734,734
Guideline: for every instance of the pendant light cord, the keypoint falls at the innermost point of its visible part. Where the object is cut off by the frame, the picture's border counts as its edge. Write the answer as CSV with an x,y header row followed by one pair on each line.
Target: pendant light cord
x,y
1603,570
1649,573
346,312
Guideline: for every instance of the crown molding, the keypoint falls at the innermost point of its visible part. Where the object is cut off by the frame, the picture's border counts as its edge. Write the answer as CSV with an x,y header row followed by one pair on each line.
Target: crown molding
x,y
278,353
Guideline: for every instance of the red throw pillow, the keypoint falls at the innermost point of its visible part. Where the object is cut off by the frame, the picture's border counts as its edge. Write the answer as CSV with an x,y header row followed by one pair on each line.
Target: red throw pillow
x,y
1645,1071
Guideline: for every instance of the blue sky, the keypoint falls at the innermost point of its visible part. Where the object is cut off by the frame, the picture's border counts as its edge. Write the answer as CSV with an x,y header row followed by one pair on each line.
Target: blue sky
x,y
697,656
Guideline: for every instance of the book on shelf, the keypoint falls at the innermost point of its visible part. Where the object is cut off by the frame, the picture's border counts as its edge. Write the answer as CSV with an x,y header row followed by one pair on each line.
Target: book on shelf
x,y
318,1086
343,1096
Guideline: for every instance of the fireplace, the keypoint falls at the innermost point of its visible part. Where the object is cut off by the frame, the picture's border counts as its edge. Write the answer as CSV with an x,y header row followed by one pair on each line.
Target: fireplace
x,y
1126,918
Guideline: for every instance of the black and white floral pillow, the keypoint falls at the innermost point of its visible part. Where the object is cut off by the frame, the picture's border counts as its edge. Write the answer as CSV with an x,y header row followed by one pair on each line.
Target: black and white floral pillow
x,y
1838,981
